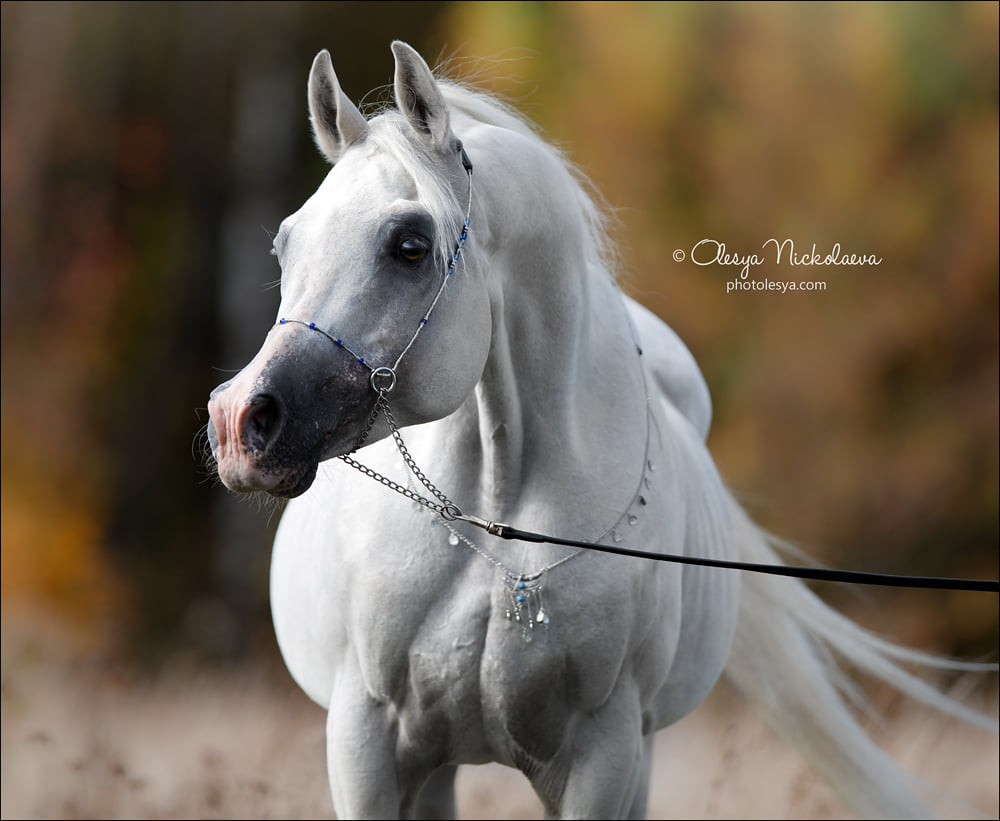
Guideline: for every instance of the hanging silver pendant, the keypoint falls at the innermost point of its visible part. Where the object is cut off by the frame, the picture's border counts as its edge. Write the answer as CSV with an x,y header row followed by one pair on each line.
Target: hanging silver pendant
x,y
523,596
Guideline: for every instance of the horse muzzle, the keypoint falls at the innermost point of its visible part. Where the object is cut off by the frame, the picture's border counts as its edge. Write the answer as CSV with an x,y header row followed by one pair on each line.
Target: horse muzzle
x,y
295,405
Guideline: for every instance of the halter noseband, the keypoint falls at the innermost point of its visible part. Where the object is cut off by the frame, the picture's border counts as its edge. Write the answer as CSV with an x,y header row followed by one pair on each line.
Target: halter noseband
x,y
383,377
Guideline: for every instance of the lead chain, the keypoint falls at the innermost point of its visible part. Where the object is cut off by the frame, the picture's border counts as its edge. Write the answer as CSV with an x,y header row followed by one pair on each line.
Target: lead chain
x,y
410,463
370,423
447,509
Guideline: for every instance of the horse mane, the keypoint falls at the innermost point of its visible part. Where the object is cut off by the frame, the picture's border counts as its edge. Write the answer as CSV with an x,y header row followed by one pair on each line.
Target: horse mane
x,y
394,135
594,210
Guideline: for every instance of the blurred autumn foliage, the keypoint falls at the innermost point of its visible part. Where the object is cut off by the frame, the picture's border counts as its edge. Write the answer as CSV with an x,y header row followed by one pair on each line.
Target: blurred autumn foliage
x,y
148,148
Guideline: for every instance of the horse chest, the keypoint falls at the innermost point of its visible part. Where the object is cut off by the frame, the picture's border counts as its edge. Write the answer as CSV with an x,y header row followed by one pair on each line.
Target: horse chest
x,y
463,679
458,672
430,624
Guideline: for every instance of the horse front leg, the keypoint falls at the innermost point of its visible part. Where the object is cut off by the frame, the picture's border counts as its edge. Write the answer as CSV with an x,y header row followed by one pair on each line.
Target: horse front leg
x,y
360,756
641,797
437,796
604,771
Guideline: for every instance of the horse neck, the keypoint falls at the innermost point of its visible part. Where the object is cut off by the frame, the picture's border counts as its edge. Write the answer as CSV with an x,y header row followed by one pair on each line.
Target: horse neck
x,y
561,407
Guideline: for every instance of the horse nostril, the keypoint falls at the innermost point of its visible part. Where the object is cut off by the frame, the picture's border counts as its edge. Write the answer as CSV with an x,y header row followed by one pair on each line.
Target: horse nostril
x,y
261,421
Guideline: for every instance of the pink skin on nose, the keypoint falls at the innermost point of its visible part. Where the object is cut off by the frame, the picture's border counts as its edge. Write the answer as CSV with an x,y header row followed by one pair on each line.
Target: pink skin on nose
x,y
237,467
299,401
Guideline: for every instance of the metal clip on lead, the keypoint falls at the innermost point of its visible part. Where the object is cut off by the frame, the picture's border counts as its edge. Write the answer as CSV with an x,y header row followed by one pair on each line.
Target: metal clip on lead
x,y
493,528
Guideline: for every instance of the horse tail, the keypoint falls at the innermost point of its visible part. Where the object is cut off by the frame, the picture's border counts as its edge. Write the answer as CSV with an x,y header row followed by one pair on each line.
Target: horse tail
x,y
785,659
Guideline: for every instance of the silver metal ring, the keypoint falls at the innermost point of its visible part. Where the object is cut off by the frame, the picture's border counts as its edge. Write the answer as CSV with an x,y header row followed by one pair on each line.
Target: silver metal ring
x,y
383,379
450,512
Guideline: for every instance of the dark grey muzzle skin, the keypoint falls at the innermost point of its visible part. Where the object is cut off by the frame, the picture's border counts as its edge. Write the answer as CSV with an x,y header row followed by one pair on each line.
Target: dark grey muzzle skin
x,y
310,402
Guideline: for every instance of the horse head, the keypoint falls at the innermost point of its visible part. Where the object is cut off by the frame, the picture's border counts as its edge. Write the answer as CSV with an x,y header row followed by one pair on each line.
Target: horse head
x,y
363,261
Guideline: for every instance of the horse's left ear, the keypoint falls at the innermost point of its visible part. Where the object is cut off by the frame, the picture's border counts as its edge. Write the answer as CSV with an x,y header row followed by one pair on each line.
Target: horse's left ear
x,y
418,95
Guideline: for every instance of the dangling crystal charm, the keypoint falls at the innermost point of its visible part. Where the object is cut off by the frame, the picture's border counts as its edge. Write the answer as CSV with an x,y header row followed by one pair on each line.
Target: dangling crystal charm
x,y
633,519
453,538
523,595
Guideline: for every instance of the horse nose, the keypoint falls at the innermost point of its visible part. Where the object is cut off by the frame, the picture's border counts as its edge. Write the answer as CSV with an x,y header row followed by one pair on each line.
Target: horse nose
x,y
262,420
218,390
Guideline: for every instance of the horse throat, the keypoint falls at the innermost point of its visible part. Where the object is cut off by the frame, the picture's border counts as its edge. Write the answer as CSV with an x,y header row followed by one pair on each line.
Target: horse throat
x,y
559,406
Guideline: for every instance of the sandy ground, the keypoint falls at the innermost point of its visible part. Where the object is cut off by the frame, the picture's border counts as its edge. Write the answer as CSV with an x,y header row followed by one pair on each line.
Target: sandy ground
x,y
83,740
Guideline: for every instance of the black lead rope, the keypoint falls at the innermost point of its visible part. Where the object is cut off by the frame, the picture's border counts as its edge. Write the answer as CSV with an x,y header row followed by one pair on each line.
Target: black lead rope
x,y
821,574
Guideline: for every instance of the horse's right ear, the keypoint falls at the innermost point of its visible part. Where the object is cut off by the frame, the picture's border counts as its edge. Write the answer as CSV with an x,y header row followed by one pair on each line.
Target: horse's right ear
x,y
336,121
418,96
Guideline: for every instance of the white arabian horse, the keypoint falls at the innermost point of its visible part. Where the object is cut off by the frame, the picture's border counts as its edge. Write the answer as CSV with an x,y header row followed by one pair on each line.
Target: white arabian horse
x,y
452,278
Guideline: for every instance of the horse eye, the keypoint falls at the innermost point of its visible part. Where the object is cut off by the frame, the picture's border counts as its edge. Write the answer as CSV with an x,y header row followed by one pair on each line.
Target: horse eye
x,y
412,250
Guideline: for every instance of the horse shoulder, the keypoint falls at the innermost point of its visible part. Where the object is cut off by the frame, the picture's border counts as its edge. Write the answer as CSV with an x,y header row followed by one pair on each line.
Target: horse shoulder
x,y
672,367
